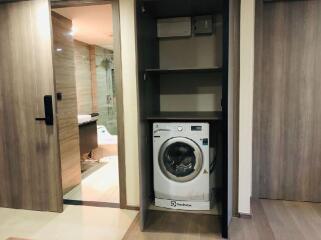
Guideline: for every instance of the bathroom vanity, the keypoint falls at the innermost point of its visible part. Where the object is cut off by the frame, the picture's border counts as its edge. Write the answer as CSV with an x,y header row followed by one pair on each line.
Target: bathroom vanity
x,y
87,133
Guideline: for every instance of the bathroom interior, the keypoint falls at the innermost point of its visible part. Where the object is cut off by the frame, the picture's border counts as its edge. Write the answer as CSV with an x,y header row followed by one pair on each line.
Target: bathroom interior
x,y
86,102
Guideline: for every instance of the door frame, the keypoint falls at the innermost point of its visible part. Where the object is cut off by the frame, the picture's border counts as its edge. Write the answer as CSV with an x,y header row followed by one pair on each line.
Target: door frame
x,y
119,86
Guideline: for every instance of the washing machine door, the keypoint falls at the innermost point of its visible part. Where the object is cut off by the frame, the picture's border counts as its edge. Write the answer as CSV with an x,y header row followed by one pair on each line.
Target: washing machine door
x,y
180,159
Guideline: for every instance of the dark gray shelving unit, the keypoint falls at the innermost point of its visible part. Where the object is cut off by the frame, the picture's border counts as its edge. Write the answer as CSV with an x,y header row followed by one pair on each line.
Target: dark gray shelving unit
x,y
173,75
185,116
184,70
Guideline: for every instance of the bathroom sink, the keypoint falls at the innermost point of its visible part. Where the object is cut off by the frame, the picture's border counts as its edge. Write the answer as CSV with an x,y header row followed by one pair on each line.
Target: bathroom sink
x,y
83,118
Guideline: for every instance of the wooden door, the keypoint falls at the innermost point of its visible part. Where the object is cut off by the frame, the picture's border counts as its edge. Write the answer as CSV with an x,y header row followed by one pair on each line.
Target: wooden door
x,y
65,84
30,175
287,97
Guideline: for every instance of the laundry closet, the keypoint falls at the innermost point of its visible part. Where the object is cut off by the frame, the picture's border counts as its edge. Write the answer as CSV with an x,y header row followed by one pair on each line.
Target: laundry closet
x,y
183,83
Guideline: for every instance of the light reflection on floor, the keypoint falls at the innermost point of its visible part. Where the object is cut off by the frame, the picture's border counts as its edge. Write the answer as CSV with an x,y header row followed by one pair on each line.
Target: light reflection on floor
x,y
76,222
101,185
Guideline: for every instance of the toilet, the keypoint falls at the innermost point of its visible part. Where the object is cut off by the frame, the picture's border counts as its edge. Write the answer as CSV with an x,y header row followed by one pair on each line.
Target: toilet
x,y
104,137
107,143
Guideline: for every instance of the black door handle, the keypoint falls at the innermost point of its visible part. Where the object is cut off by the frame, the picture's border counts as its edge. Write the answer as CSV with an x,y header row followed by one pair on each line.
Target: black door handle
x,y
49,120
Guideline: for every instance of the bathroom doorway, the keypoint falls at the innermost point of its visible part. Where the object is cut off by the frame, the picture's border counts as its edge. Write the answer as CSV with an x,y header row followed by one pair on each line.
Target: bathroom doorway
x,y
88,86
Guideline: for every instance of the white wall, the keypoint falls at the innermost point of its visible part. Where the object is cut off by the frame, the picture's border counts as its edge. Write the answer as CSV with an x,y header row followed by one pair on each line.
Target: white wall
x,y
128,48
246,104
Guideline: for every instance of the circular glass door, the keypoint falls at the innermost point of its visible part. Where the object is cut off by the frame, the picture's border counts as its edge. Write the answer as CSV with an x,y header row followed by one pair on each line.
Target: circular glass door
x,y
180,159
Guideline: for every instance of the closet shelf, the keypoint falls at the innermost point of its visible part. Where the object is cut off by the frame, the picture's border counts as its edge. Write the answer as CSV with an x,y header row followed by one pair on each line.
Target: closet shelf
x,y
183,70
186,116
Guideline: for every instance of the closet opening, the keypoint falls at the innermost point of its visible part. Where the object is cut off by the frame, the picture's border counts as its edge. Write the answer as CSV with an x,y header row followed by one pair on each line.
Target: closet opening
x,y
182,62
88,93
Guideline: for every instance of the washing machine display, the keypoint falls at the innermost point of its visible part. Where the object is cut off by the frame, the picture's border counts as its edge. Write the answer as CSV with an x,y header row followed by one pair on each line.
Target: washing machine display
x,y
180,159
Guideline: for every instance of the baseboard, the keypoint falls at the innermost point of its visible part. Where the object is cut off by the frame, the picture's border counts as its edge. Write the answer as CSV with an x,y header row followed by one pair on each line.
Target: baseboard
x,y
131,207
245,215
91,203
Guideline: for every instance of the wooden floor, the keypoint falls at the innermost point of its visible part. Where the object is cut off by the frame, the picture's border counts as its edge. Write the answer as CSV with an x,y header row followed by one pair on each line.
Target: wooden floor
x,y
271,220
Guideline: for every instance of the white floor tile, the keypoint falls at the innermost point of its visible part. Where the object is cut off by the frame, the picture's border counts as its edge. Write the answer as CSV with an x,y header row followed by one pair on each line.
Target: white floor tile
x,y
101,185
76,222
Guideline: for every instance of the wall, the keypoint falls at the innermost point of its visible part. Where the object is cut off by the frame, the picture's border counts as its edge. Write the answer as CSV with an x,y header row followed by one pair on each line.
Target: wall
x,y
233,106
105,95
246,104
83,78
94,84
129,72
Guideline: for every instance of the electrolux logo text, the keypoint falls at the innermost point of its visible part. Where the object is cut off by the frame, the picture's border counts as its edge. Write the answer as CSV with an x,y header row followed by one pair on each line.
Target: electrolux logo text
x,y
177,204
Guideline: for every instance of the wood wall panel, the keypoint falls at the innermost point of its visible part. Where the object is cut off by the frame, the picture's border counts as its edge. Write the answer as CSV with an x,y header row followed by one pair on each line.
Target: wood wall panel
x,y
64,67
256,95
287,114
83,78
29,159
120,106
92,60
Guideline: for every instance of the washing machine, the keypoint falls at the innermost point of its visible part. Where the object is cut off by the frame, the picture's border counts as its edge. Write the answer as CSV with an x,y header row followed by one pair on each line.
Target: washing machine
x,y
183,167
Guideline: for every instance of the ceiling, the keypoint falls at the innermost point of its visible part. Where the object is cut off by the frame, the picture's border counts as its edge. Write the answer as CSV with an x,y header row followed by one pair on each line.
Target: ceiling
x,y
91,24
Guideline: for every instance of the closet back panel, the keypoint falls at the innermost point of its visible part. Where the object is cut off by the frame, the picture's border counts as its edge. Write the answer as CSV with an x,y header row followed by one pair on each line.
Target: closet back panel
x,y
194,52
202,51
191,92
